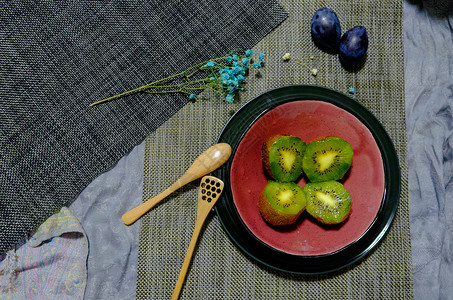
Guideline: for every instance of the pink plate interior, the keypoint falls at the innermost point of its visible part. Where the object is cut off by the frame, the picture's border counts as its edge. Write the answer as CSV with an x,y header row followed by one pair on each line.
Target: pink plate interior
x,y
309,119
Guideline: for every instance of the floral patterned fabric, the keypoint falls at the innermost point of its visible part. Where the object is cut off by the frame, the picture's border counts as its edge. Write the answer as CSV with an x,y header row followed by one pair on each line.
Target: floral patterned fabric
x,y
50,265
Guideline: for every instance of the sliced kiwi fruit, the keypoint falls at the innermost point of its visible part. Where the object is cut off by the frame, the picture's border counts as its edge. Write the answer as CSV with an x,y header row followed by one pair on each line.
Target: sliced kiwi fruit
x,y
328,201
281,203
327,159
282,157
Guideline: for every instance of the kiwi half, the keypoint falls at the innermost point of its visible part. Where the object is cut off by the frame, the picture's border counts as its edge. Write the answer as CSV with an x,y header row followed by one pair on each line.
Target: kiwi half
x,y
282,157
281,203
328,201
327,159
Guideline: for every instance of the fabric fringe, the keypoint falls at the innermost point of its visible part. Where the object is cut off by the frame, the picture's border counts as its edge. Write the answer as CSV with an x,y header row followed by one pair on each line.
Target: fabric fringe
x,y
10,265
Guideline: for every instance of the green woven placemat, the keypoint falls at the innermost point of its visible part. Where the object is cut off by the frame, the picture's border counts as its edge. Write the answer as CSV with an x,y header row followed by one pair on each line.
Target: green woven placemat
x,y
221,271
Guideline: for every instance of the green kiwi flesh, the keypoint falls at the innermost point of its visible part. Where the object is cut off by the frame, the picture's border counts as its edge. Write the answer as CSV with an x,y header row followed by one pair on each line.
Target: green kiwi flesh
x,y
281,203
285,158
327,159
328,201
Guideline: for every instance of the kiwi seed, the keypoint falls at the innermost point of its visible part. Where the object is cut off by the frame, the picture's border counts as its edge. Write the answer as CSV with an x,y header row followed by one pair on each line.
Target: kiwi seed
x,y
327,159
282,157
328,201
281,203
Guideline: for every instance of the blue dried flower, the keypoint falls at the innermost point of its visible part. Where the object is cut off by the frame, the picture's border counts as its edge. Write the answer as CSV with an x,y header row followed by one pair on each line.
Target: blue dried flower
x,y
224,76
237,70
257,65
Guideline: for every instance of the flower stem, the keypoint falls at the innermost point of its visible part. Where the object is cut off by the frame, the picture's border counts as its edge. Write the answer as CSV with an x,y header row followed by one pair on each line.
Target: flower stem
x,y
140,89
117,96
152,85
183,88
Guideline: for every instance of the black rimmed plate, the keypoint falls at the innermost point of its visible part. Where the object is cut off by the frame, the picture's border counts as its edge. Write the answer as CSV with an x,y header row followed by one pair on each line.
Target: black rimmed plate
x,y
308,247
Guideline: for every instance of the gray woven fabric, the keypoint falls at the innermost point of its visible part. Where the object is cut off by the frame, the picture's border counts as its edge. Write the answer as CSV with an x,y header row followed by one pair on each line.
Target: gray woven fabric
x,y
428,51
219,270
58,57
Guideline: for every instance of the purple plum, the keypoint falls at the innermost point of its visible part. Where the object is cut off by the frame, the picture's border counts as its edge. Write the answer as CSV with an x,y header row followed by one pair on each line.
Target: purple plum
x,y
326,29
353,45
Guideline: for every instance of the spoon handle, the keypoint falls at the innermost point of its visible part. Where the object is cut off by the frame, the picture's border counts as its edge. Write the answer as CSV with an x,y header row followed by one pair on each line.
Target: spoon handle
x,y
136,213
185,265
208,194
207,162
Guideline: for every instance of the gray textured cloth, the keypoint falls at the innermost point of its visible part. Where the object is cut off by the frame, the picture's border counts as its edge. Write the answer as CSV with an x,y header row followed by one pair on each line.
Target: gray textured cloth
x,y
429,99
58,57
112,260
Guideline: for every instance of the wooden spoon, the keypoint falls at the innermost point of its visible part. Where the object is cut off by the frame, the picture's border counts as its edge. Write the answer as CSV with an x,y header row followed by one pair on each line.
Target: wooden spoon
x,y
210,190
207,162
